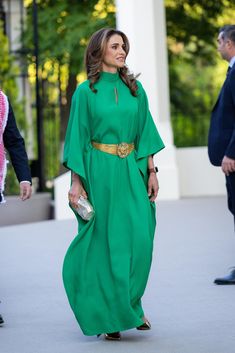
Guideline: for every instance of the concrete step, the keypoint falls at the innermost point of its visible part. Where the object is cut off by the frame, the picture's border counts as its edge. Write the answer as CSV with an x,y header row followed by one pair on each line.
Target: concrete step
x,y
38,208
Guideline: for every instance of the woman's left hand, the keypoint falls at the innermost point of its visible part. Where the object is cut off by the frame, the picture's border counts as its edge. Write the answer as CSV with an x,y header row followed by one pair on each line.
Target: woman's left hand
x,y
153,187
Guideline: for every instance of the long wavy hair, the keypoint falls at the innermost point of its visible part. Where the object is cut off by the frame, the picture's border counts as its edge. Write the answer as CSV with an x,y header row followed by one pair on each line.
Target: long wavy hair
x,y
94,57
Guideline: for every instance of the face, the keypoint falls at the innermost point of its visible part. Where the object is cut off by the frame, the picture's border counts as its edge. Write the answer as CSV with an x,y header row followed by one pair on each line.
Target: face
x,y
114,55
223,47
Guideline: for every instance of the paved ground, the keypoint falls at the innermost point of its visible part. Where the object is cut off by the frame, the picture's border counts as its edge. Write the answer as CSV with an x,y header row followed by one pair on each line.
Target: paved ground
x,y
194,243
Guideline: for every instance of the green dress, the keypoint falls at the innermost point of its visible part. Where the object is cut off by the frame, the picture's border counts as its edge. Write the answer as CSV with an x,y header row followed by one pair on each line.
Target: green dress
x,y
107,265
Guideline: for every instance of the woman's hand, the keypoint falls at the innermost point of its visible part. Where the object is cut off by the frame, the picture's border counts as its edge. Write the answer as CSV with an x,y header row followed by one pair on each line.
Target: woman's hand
x,y
76,190
153,186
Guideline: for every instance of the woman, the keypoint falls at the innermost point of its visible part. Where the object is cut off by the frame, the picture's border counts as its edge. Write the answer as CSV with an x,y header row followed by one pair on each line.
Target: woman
x,y
109,145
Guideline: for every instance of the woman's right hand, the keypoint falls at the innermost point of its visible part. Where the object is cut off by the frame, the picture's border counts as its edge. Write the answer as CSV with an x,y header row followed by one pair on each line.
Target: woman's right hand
x,y
76,190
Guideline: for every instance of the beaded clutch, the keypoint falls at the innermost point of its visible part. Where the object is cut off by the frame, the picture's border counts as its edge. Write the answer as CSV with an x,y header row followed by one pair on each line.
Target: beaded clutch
x,y
85,209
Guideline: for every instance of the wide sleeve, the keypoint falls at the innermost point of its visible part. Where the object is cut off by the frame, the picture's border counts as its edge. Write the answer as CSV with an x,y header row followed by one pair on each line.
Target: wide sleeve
x,y
148,141
77,138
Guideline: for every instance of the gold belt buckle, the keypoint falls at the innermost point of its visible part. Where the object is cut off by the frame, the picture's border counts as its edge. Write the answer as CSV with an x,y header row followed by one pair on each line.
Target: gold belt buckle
x,y
123,149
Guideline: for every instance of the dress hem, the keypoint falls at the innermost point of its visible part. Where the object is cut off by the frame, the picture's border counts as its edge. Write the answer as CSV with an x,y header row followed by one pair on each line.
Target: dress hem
x,y
123,328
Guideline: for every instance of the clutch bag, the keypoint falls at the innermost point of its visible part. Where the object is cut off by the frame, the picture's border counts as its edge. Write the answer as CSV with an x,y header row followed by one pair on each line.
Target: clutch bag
x,y
85,209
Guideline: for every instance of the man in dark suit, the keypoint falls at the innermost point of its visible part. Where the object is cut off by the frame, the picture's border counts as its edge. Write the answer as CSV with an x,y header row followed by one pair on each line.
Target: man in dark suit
x,y
14,144
221,141
11,139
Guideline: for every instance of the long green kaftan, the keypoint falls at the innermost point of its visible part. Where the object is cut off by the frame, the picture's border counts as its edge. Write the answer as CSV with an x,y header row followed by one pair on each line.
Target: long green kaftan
x,y
107,265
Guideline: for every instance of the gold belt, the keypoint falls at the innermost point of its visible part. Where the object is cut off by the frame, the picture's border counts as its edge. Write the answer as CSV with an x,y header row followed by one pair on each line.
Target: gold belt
x,y
122,149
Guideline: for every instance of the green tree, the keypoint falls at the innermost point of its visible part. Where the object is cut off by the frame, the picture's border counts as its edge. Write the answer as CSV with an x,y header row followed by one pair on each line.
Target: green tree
x,y
192,26
195,75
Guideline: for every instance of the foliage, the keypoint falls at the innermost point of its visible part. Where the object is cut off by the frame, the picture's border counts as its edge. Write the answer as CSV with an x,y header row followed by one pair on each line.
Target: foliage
x,y
8,74
65,26
192,96
196,71
192,26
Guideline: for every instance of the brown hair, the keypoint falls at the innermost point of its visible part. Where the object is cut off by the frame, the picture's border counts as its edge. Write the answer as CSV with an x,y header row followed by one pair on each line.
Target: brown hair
x,y
94,56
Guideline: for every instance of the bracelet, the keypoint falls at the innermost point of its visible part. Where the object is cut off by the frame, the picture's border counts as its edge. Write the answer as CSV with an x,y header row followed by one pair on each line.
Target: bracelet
x,y
153,170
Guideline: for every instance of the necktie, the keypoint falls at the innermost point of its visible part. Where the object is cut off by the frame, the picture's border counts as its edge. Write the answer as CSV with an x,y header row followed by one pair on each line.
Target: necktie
x,y
229,68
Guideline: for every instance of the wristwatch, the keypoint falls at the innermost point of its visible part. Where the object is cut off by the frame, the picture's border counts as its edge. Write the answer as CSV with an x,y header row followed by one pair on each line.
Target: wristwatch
x,y
153,170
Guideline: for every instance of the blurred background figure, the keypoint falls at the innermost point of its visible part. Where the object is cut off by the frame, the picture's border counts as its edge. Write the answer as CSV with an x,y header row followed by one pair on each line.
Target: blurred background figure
x,y
221,144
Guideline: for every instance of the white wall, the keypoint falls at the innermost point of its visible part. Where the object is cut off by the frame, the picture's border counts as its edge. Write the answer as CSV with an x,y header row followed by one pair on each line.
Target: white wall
x,y
197,177
61,188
